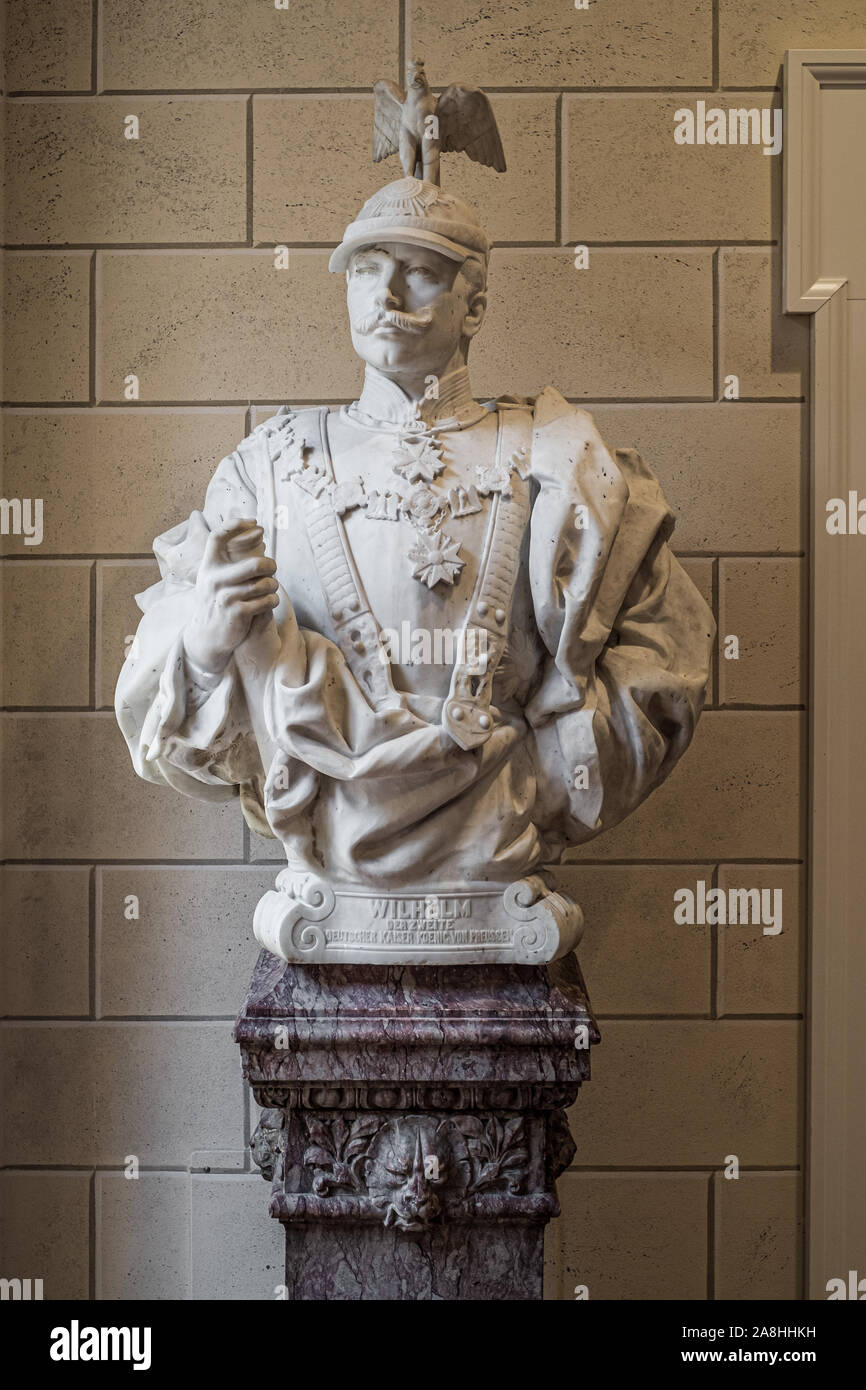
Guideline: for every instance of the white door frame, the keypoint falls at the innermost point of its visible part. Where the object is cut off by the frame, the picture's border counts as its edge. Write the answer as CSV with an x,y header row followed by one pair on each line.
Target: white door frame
x,y
825,225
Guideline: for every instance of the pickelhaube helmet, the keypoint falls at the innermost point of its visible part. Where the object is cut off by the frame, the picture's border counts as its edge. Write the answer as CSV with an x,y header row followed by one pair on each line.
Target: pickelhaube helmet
x,y
416,211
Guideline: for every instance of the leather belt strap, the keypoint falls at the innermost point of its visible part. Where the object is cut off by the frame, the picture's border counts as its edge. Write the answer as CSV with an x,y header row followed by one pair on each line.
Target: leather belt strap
x,y
358,635
466,714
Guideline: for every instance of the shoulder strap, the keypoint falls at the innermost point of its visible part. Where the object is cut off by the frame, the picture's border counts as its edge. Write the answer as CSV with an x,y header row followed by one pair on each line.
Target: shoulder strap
x,y
358,635
466,714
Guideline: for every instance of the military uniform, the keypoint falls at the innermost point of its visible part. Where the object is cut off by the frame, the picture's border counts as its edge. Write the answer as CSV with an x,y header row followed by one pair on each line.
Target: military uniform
x,y
582,649
601,667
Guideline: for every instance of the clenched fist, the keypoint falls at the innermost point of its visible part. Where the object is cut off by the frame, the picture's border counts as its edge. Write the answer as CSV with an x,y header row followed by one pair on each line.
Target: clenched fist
x,y
235,587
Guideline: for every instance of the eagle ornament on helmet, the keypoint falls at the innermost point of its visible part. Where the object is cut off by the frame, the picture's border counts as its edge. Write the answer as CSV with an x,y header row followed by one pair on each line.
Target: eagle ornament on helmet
x,y
415,209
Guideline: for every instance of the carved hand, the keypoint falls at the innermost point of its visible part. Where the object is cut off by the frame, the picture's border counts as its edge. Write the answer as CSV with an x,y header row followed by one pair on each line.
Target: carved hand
x,y
235,587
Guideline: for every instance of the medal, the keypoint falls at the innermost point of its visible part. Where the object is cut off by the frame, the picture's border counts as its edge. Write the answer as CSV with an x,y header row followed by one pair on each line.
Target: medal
x,y
436,559
417,460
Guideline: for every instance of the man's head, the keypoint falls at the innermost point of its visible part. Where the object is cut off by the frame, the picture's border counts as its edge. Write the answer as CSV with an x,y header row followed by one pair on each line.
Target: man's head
x,y
416,268
411,309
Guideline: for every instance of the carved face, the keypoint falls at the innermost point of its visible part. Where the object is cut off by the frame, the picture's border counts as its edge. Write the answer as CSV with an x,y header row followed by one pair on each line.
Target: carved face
x,y
404,1170
410,307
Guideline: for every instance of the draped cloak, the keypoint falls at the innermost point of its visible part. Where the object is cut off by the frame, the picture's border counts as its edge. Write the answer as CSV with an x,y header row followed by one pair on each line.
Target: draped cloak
x,y
595,700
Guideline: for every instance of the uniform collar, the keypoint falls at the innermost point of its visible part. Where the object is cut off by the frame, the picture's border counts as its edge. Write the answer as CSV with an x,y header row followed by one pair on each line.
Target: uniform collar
x,y
383,402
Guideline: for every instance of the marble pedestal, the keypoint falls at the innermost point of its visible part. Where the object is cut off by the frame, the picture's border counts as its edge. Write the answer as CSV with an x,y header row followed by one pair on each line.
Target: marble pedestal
x,y
413,1121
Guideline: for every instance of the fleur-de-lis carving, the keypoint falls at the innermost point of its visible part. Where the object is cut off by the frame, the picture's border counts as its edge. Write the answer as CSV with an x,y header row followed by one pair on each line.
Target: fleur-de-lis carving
x,y
497,1151
339,1151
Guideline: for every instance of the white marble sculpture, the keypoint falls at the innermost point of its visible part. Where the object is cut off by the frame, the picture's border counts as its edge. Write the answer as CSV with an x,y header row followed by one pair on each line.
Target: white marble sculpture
x,y
430,642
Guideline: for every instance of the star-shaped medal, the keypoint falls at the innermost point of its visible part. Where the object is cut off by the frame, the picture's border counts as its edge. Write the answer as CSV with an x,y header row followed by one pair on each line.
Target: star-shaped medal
x,y
418,460
436,559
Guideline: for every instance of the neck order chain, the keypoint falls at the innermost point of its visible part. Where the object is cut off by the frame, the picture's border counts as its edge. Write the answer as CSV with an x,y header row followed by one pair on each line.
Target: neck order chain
x,y
417,461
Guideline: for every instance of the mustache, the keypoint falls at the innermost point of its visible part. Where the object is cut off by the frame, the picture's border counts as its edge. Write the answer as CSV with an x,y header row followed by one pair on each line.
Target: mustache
x,y
408,323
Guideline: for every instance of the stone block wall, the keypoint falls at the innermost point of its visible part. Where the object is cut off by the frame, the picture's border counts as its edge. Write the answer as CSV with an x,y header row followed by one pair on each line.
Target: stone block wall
x,y
153,258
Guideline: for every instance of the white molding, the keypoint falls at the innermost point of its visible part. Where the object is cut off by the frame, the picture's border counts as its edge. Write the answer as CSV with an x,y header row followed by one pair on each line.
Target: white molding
x,y
836,1126
807,73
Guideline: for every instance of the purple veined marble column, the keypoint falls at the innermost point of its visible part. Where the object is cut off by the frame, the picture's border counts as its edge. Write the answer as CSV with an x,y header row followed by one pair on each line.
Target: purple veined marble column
x,y
413,1121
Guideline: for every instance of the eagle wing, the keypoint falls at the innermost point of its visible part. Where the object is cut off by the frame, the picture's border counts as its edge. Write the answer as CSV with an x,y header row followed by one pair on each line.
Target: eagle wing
x,y
387,119
467,122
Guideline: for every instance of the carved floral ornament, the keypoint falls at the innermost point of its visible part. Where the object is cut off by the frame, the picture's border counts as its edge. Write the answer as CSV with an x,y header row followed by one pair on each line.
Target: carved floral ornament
x,y
404,1164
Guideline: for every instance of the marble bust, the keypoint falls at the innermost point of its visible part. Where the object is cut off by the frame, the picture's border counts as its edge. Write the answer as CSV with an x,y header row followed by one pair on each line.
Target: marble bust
x,y
430,642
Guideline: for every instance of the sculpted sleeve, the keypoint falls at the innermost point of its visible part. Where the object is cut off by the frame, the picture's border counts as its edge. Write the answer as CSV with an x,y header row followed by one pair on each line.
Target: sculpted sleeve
x,y
182,727
628,637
